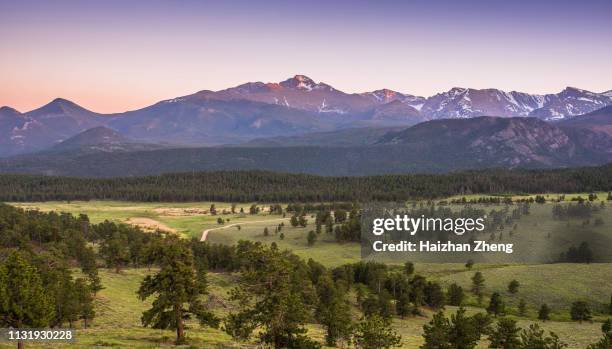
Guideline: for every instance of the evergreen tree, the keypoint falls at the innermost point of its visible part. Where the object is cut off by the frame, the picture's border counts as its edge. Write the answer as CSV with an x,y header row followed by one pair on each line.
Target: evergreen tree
x,y
409,268
333,311
403,307
477,283
329,226
24,302
460,332
177,289
312,237
580,311
340,215
84,296
465,331
469,264
375,332
544,312
294,221
302,221
417,292
436,332
275,293
505,335
434,296
496,305
534,338
455,294
513,286
114,250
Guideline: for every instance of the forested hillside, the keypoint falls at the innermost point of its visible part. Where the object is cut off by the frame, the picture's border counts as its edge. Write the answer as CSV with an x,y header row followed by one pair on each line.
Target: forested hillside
x,y
245,186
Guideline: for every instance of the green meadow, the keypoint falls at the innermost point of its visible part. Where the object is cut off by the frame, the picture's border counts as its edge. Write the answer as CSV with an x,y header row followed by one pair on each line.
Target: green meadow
x,y
118,311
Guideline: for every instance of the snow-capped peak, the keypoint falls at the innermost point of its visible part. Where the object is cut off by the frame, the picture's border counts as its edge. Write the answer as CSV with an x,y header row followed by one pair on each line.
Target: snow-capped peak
x,y
300,82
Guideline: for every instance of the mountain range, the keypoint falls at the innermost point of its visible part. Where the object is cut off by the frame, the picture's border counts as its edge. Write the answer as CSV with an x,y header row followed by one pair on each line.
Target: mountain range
x,y
295,107
432,146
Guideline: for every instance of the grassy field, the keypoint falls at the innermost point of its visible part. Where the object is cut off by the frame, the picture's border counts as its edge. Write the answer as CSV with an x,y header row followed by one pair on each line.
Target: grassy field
x,y
601,196
118,326
118,310
557,285
537,238
181,218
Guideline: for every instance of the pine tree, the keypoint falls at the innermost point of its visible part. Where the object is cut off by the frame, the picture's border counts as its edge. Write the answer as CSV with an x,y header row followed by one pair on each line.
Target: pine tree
x,y
375,332
513,286
534,338
177,289
409,268
465,332
455,294
460,332
302,221
403,307
496,305
333,311
434,296
544,312
24,302
436,331
580,311
274,292
477,283
294,221
469,264
114,250
505,335
84,296
312,237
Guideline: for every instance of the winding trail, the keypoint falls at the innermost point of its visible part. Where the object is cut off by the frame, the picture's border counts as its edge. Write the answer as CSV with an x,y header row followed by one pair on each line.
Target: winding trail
x,y
205,232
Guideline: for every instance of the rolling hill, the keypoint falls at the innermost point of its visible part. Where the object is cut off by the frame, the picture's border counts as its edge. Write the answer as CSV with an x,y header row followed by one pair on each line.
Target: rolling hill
x,y
430,147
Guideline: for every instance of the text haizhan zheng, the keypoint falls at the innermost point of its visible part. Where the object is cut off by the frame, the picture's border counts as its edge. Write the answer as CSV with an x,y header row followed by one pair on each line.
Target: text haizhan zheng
x,y
458,226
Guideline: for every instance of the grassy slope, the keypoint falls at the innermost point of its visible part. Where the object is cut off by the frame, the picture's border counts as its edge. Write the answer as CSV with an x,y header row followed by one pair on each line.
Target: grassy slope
x,y
558,284
119,326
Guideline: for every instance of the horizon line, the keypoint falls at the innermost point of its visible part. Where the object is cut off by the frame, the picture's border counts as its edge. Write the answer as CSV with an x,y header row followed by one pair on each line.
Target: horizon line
x,y
293,77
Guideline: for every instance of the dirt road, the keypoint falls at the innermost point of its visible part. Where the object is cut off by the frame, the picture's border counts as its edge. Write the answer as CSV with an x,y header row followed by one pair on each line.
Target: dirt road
x,y
205,232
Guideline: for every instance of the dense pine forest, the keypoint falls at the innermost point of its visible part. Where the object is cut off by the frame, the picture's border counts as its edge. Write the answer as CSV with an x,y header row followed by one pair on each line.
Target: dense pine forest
x,y
247,186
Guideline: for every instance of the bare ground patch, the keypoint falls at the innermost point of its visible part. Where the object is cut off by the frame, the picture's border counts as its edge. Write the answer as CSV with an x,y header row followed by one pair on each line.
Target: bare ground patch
x,y
148,224
176,211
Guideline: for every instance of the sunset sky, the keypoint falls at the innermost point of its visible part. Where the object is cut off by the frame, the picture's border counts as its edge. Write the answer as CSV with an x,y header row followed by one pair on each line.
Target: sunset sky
x,y
119,55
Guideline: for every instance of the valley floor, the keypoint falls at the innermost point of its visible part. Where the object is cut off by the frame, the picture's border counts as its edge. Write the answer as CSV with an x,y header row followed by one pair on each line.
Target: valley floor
x,y
118,311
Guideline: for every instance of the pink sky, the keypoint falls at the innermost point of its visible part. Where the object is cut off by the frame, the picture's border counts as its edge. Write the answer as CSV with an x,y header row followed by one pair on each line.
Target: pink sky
x,y
116,56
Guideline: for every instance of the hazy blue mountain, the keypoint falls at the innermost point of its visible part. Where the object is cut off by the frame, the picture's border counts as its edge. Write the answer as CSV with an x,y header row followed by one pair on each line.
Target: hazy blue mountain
x,y
292,107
